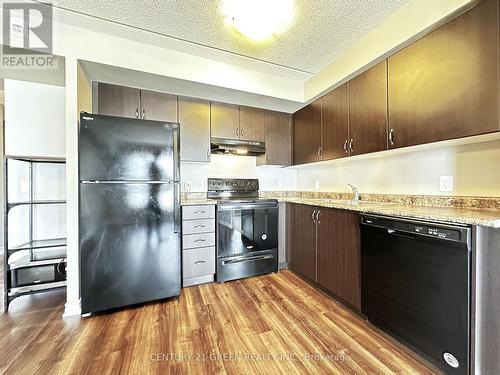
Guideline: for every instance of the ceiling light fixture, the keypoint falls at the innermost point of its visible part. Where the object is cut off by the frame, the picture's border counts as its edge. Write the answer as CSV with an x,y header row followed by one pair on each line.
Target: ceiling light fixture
x,y
258,19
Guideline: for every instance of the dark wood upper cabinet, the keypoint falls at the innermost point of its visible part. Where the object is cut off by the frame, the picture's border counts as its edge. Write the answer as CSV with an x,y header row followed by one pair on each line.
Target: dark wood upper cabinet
x,y
302,257
225,120
307,134
278,128
368,111
335,113
121,101
194,117
158,106
252,126
114,100
339,254
445,85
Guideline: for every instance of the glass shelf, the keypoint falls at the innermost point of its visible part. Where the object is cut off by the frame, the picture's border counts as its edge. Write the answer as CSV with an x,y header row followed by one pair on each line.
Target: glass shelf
x,y
40,244
14,204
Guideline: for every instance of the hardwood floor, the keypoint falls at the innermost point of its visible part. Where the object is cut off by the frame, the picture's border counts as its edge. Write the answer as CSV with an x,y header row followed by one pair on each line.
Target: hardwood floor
x,y
270,324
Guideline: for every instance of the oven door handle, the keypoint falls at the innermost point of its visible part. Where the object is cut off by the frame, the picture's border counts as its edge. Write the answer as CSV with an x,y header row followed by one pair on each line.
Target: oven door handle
x,y
247,259
247,206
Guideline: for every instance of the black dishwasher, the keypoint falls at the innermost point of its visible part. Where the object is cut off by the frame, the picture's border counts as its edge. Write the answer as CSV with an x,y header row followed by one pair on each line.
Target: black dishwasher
x,y
416,286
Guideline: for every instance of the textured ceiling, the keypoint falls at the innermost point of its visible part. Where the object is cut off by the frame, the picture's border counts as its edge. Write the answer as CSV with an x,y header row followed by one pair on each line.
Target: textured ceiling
x,y
321,29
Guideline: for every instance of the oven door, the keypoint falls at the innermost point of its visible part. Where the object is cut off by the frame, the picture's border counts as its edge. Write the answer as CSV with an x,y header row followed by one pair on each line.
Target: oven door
x,y
246,228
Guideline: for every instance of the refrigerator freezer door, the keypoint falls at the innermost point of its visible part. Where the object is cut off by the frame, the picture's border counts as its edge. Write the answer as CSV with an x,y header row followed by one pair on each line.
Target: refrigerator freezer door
x,y
116,148
129,250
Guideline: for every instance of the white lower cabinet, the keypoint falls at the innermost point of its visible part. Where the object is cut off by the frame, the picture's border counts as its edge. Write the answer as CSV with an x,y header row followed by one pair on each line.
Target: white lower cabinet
x,y
198,245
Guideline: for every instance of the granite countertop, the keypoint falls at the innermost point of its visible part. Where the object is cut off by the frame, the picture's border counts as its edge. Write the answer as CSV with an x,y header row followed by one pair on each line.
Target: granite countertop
x,y
197,202
487,217
474,216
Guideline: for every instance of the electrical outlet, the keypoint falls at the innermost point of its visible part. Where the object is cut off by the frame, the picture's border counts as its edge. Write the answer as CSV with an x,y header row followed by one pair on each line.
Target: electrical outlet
x,y
316,184
446,183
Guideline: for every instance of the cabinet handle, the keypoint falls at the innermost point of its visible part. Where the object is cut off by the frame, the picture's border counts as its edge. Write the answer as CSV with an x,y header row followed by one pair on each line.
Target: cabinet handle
x,y
200,262
317,217
312,216
241,130
200,212
391,137
143,114
319,152
345,147
200,240
200,226
351,148
238,132
137,113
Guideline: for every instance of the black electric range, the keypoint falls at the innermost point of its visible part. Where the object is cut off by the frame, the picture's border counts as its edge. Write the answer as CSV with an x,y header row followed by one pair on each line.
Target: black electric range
x,y
247,229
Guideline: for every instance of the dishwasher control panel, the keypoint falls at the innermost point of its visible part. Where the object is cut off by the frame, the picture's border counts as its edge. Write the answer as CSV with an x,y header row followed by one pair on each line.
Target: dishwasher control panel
x,y
442,231
437,232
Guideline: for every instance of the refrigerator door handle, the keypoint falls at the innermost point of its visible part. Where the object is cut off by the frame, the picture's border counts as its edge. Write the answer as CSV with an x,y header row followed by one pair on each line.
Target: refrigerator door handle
x,y
176,153
177,208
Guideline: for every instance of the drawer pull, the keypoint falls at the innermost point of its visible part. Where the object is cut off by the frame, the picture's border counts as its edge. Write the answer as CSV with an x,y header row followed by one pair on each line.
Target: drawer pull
x,y
200,212
200,262
200,226
200,240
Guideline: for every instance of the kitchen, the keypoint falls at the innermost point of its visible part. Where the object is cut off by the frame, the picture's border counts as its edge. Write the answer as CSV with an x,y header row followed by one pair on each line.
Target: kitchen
x,y
341,221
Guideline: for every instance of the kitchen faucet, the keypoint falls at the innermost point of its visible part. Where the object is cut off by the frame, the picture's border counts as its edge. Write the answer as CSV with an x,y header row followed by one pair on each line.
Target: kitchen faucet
x,y
355,192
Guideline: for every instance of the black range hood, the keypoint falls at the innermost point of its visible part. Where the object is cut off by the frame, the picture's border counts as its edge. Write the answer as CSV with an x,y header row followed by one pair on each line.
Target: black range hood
x,y
237,147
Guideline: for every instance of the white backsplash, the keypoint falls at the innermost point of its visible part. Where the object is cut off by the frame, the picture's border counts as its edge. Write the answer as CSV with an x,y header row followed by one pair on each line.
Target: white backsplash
x,y
472,166
194,175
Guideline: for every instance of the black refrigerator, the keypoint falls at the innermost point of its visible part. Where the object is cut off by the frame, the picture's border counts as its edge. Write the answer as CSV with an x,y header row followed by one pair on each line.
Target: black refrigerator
x,y
129,211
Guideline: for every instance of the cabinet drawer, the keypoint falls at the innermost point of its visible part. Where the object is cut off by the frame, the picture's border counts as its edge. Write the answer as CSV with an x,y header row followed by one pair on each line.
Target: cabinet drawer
x,y
198,212
190,241
198,226
198,262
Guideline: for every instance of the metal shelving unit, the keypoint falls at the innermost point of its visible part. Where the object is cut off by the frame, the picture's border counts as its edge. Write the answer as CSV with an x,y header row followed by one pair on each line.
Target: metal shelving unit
x,y
37,265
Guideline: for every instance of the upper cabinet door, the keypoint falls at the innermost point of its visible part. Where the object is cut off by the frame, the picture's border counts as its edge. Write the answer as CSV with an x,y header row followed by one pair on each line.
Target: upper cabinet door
x,y
225,120
335,113
158,106
445,85
307,134
114,100
194,117
278,126
252,126
368,111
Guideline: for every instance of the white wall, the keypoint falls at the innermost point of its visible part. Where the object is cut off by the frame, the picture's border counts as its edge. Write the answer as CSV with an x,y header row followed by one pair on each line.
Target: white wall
x,y
34,119
473,166
195,175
